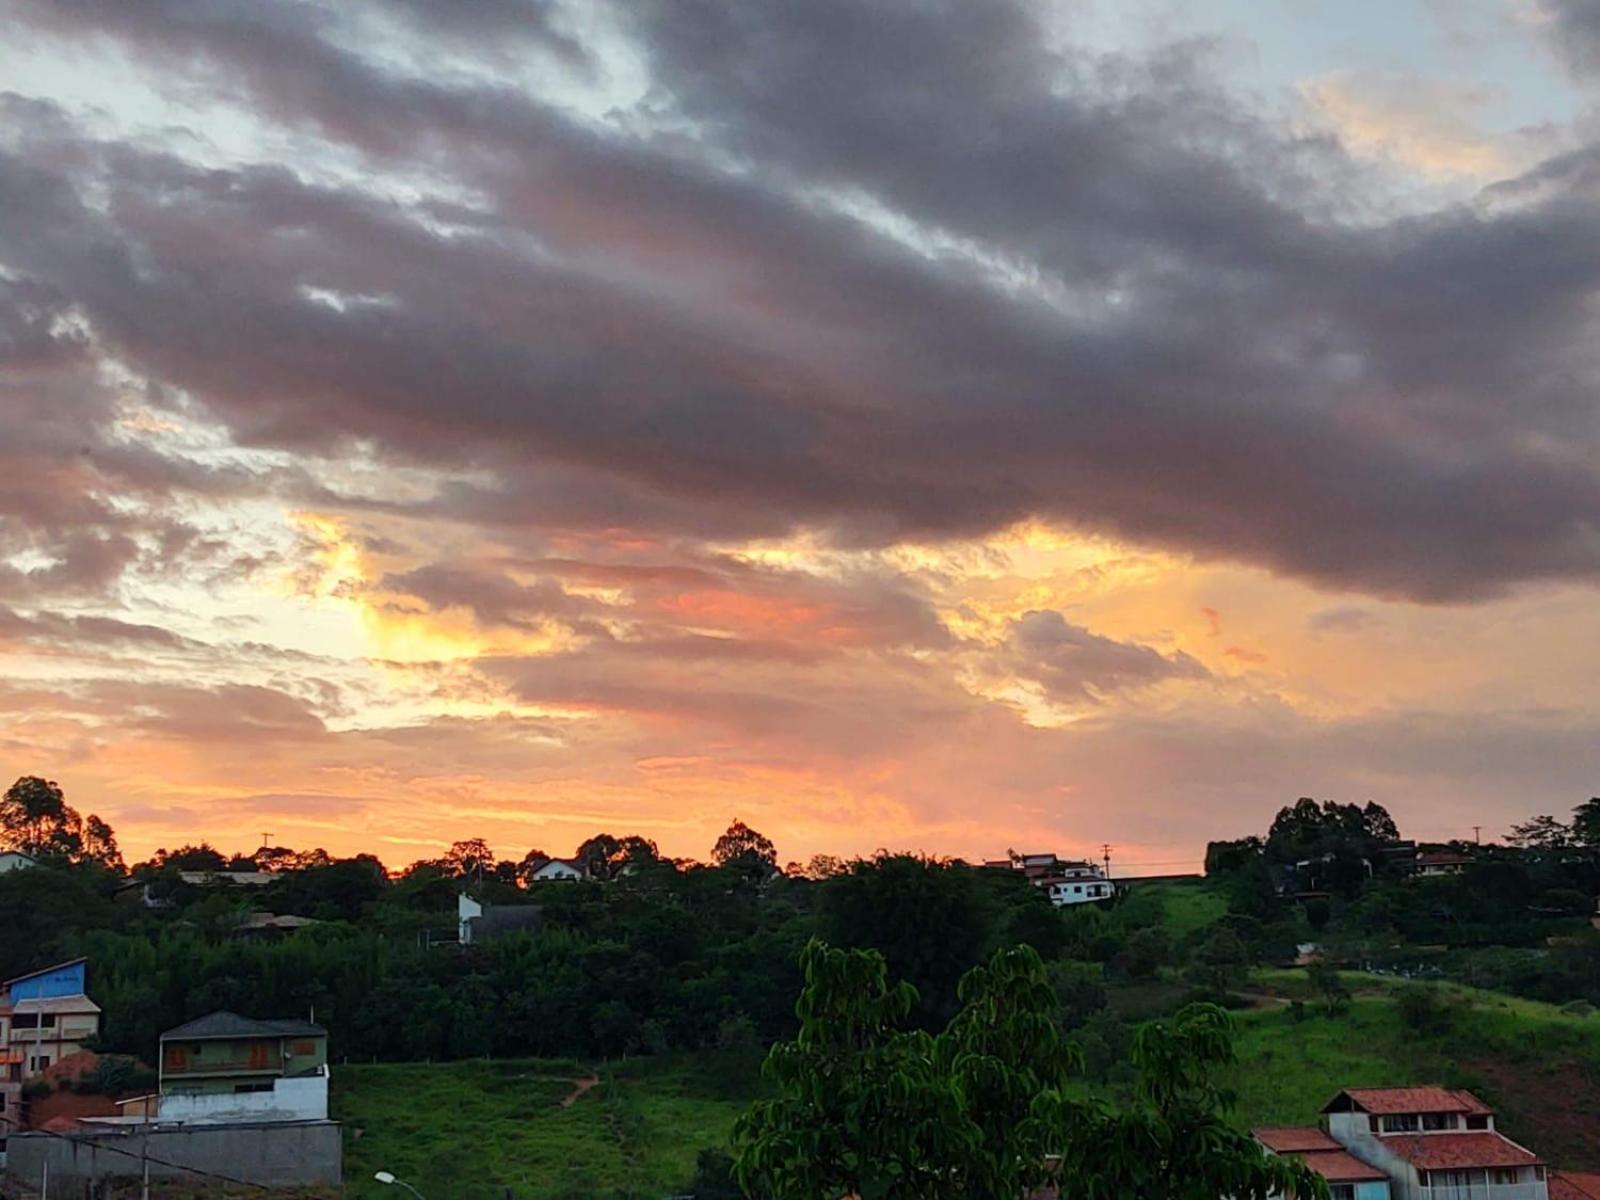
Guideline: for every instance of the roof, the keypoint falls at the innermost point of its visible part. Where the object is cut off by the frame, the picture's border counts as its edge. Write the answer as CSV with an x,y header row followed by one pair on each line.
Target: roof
x,y
1447,1151
497,919
1442,858
249,878
262,920
19,854
1288,1139
231,1025
54,1004
71,962
1426,1099
1574,1185
1318,1151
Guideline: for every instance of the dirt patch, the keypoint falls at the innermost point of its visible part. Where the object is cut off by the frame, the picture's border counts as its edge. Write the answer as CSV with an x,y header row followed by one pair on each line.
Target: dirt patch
x,y
1554,1110
579,1087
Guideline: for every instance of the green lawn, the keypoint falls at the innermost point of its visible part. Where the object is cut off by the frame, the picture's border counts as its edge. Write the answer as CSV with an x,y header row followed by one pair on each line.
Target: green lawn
x,y
469,1130
1187,906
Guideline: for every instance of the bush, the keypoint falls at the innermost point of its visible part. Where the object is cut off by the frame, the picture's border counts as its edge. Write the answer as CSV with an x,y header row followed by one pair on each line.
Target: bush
x,y
36,1089
116,1075
1425,1010
713,1176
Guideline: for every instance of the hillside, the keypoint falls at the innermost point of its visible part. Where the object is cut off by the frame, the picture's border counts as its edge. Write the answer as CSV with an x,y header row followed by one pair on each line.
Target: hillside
x,y
470,1129
546,1129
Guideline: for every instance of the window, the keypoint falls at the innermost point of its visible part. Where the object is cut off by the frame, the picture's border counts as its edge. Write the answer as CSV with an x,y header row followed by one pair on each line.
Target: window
x,y
1437,1121
1503,1175
25,1021
1077,889
1478,1121
1400,1123
1342,1191
39,1062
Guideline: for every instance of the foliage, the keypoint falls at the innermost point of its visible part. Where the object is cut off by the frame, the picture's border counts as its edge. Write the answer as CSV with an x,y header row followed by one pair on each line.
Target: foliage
x,y
744,849
1329,985
866,1108
36,820
116,1075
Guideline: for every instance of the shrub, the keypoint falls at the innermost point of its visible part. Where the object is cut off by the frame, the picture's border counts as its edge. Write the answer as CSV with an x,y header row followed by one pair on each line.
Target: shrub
x,y
1425,1010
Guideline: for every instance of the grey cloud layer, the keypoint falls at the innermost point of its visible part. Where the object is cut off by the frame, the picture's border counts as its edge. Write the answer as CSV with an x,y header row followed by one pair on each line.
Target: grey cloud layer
x,y
1127,301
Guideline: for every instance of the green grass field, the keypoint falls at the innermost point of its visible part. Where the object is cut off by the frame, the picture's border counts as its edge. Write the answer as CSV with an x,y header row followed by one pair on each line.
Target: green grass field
x,y
469,1130
1186,906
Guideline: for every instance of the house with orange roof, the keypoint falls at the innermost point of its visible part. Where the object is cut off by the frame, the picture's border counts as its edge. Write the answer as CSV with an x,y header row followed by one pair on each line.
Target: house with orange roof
x,y
1347,1176
1434,1143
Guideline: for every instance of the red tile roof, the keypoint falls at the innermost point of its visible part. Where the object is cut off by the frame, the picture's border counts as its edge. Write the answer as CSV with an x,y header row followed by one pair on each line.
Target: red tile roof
x,y
1574,1185
1339,1166
1451,1151
1287,1139
1412,1100
1318,1151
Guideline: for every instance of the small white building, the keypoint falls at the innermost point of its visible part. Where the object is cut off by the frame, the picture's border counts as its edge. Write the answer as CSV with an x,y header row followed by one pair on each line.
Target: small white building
x,y
16,860
1078,889
556,869
1065,880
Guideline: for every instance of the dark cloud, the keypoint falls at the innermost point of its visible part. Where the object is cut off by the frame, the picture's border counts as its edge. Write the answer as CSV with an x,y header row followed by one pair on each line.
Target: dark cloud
x,y
1103,291
1573,31
1071,663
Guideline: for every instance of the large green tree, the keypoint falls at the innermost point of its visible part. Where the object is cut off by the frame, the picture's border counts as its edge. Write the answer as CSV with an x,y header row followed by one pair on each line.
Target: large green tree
x,y
864,1107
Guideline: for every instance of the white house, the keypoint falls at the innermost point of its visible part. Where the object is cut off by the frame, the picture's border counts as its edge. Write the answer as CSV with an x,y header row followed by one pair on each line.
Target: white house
x,y
556,869
1433,863
1434,1143
1078,889
16,860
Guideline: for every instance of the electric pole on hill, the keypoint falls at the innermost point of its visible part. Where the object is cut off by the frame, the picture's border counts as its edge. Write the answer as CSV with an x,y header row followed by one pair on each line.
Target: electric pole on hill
x,y
1105,852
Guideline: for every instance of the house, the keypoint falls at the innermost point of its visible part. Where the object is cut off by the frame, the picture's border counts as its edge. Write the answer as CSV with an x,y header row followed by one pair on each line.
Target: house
x,y
1434,1143
1065,880
1348,1177
553,869
223,1068
16,860
265,924
1434,863
478,922
1077,889
45,1015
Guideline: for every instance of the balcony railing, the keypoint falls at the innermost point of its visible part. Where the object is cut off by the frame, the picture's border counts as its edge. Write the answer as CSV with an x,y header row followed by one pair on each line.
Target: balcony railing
x,y
213,1066
1534,1190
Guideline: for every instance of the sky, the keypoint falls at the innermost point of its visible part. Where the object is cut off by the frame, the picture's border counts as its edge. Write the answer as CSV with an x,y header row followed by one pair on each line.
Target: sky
x,y
923,424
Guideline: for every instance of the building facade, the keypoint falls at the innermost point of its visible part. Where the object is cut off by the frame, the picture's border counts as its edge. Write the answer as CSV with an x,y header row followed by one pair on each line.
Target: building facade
x,y
44,1016
1434,1143
223,1067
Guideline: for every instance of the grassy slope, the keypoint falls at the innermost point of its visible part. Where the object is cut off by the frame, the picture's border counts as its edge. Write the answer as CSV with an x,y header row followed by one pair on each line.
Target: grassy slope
x,y
1186,906
472,1129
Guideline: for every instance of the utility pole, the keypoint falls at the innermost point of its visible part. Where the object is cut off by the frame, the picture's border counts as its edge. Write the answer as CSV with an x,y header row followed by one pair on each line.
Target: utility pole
x,y
1105,853
1477,831
266,840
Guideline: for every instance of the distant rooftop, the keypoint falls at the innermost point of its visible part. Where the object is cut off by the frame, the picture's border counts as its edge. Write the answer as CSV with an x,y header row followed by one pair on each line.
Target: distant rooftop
x,y
231,1025
1426,1099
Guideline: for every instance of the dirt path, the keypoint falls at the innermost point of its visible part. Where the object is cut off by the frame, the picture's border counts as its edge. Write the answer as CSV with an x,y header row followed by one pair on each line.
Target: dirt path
x,y
579,1087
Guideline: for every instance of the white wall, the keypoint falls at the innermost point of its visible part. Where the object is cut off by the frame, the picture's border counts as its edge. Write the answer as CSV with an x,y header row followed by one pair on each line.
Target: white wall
x,y
303,1098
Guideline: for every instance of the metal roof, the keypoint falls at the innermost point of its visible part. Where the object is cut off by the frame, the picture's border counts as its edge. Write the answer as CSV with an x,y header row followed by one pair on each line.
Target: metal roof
x,y
231,1025
71,962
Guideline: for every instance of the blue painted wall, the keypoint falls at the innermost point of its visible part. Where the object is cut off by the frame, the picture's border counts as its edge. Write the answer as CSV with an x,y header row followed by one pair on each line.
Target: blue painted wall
x,y
58,981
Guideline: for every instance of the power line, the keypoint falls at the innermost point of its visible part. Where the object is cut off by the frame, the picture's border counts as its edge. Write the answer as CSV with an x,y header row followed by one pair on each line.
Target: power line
x,y
98,1144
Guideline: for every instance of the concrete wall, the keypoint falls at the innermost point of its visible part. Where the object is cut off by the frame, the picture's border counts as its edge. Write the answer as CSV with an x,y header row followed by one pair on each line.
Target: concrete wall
x,y
305,1154
301,1099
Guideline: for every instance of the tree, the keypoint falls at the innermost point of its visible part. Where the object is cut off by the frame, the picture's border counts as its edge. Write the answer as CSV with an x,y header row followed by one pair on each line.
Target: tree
x,y
1330,985
36,820
203,857
469,859
596,855
866,1108
745,849
1173,1141
1586,824
1543,832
